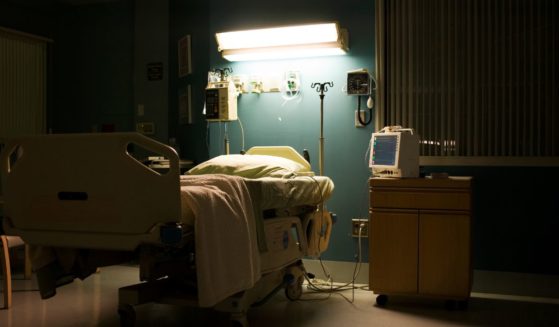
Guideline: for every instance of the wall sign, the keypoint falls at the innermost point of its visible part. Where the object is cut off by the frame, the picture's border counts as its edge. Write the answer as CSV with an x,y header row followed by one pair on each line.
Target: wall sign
x,y
155,71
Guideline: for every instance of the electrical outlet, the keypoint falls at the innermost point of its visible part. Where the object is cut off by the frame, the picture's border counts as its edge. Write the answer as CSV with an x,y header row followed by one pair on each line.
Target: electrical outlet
x,y
363,118
146,128
355,225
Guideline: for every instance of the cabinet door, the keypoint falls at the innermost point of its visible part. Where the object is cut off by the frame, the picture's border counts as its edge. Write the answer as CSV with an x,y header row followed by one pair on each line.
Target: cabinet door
x,y
393,251
444,254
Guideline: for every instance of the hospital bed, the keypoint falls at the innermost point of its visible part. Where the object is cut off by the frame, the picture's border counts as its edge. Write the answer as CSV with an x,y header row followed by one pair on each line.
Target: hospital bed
x,y
227,235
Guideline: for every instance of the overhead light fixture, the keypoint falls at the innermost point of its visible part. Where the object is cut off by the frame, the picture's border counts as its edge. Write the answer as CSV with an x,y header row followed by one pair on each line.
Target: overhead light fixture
x,y
324,39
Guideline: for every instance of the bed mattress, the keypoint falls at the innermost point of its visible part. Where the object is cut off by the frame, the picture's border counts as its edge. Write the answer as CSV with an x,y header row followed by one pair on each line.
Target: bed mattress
x,y
270,192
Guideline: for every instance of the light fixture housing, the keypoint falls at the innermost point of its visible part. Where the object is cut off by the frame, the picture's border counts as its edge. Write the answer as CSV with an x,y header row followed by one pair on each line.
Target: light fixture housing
x,y
310,40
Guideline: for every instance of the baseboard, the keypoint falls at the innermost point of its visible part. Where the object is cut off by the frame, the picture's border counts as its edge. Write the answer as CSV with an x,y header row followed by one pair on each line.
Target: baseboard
x,y
491,282
512,283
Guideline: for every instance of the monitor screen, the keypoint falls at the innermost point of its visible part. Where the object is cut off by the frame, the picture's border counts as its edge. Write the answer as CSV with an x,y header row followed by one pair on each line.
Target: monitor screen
x,y
384,150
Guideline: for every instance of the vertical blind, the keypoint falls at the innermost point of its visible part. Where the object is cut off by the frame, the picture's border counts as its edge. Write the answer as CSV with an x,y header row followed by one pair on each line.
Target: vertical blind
x,y
22,84
473,78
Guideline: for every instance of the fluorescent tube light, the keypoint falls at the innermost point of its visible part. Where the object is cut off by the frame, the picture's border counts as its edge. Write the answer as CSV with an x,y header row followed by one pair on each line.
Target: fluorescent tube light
x,y
283,42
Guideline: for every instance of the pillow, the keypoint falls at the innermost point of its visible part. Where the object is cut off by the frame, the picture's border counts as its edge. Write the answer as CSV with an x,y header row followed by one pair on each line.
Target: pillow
x,y
249,166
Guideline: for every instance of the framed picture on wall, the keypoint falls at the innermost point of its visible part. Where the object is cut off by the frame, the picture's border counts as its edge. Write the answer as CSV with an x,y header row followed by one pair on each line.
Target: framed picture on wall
x,y
185,110
185,61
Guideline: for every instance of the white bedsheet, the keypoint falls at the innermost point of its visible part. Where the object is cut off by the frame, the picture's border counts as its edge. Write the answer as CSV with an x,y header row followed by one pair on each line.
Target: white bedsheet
x,y
227,257
275,193
290,192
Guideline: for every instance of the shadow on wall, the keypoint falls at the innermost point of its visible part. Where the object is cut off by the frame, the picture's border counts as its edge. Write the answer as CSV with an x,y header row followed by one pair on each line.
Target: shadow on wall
x,y
515,217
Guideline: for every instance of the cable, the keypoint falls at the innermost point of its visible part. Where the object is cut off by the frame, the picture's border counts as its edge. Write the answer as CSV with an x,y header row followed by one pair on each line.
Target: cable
x,y
316,288
367,153
208,137
220,138
242,135
359,113
357,268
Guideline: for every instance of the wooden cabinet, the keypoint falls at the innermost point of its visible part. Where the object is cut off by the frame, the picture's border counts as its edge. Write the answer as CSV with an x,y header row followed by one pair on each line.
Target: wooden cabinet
x,y
420,237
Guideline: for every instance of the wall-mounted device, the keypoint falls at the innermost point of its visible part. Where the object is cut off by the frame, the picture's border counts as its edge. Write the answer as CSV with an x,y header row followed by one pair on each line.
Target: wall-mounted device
x,y
240,82
221,96
361,83
291,85
292,82
394,153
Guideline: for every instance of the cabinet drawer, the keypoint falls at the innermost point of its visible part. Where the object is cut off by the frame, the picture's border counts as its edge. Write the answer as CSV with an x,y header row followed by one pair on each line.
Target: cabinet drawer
x,y
410,198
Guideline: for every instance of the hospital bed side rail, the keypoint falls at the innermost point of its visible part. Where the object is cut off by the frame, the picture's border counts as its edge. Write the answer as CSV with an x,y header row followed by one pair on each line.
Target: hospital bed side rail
x,y
87,190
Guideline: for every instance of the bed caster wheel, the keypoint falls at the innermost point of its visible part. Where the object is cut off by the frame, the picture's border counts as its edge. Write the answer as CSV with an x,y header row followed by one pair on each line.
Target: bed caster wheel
x,y
127,315
294,291
382,300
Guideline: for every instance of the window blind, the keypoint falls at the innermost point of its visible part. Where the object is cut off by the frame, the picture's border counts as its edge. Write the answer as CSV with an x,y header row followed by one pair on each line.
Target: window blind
x,y
22,84
474,78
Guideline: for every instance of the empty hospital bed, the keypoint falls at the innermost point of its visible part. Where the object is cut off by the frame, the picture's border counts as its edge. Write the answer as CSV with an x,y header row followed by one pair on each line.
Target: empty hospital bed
x,y
227,235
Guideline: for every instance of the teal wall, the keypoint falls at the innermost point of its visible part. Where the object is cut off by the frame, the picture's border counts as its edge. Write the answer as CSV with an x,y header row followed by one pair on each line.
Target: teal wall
x,y
268,121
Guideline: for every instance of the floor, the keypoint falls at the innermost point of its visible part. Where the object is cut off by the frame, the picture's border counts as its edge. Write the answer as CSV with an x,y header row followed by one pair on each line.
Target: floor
x,y
93,302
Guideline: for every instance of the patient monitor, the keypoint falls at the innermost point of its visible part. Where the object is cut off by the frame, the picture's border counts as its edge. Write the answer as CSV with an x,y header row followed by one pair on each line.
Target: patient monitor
x,y
394,153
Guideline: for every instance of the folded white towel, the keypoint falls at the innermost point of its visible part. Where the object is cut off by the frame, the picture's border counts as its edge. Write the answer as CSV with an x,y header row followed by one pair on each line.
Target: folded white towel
x,y
227,256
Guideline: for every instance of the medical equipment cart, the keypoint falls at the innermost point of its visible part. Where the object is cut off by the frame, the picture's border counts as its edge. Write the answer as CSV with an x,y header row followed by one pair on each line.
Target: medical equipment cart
x,y
420,238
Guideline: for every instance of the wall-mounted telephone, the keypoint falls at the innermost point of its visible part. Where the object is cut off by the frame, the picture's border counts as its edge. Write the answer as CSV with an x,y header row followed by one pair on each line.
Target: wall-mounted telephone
x,y
221,96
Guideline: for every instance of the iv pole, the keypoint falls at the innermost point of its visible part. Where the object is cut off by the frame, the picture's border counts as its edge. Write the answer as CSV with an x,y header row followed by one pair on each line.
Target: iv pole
x,y
226,139
324,219
321,88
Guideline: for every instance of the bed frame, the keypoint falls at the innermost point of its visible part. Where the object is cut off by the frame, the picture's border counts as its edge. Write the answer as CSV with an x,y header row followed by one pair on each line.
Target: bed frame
x,y
54,169
57,187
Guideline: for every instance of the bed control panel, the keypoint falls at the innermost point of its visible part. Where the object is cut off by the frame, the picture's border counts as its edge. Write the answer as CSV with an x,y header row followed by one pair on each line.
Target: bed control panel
x,y
171,233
